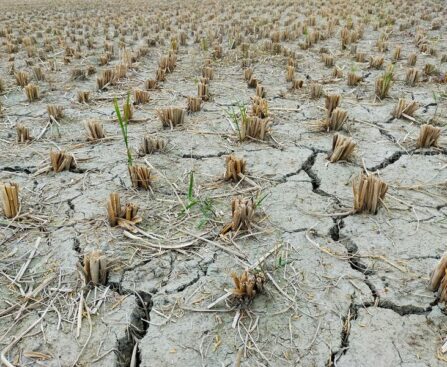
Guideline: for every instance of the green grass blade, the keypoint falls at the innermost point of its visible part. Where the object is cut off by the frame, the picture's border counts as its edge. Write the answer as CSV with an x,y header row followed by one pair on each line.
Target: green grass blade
x,y
191,186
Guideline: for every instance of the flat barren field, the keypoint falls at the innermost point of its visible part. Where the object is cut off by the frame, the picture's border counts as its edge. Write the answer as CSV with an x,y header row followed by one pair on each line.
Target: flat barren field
x,y
224,183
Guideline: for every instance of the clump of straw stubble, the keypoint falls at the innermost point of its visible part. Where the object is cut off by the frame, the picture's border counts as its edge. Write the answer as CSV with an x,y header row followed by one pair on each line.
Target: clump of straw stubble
x,y
438,278
10,198
242,213
235,167
95,268
342,148
369,192
118,215
247,285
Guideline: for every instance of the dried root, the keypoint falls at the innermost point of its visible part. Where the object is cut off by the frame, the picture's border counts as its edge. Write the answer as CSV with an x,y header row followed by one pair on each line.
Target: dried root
x,y
337,73
194,104
342,148
95,268
360,56
247,285
331,103
202,91
438,279
151,84
234,167
23,134
412,58
10,198
38,73
248,73
259,107
428,136
260,91
171,116
78,74
160,75
217,52
141,96
335,121
297,84
21,78
396,53
290,74
404,109
354,79
429,69
369,193
121,216
254,127
316,90
108,77
328,60
128,111
94,130
55,112
412,77
168,62
140,177
31,92
83,96
151,144
207,72
243,211
376,62
61,161
114,210
119,72
252,82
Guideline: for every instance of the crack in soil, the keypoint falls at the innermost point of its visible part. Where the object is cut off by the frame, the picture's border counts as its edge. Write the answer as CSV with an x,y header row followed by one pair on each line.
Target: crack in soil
x,y
385,133
353,313
387,161
315,180
204,156
17,169
398,154
137,328
140,316
354,259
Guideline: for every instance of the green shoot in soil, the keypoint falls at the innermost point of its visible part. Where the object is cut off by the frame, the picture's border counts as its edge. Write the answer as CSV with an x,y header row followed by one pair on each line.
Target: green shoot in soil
x,y
260,200
384,83
123,125
205,206
204,44
281,262
241,115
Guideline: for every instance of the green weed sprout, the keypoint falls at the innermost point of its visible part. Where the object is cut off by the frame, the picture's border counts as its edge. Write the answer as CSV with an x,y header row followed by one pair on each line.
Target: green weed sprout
x,y
124,123
235,116
383,84
205,206
259,200
204,44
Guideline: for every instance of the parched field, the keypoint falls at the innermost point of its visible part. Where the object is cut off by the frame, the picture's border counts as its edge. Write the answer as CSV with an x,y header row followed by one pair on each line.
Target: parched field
x,y
224,183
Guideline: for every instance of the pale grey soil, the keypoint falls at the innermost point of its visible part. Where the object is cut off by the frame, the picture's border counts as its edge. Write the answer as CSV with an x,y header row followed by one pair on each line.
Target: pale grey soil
x,y
348,290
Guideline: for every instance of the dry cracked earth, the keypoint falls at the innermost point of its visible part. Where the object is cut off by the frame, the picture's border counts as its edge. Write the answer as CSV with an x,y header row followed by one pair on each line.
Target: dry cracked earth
x,y
342,288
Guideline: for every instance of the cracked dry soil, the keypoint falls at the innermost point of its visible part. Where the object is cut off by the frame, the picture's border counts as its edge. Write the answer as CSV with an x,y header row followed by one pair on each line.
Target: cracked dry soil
x,y
343,289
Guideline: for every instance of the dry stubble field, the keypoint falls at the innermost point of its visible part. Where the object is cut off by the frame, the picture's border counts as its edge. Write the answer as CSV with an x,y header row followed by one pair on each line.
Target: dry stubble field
x,y
257,183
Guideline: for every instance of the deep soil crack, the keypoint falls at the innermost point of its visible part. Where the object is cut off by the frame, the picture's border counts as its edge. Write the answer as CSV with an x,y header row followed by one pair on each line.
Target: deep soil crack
x,y
137,328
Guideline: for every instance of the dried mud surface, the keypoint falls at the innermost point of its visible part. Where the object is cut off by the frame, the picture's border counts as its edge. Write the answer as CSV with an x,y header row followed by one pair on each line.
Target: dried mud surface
x,y
342,289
